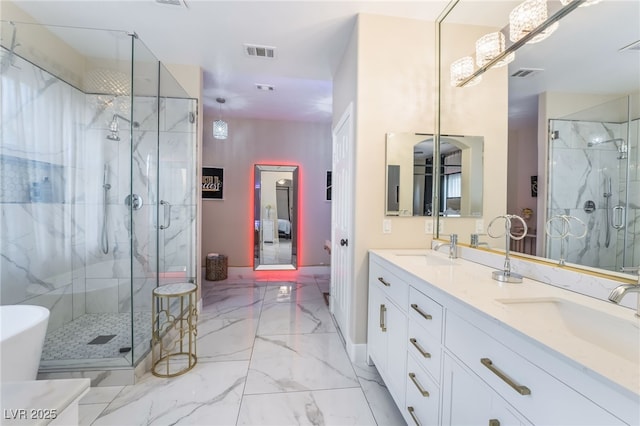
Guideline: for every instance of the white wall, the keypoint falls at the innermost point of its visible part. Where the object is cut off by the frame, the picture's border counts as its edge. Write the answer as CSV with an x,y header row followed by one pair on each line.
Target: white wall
x,y
388,73
227,226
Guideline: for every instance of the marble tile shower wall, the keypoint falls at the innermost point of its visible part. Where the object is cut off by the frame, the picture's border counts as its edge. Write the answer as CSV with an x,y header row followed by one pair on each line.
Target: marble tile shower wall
x,y
110,281
41,126
581,175
51,251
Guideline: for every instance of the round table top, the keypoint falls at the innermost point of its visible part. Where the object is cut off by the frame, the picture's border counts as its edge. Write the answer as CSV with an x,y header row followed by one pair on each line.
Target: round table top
x,y
176,289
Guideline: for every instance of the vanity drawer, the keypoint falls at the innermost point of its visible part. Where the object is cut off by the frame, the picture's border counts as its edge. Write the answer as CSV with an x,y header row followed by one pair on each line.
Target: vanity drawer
x,y
425,349
426,312
422,397
531,390
394,287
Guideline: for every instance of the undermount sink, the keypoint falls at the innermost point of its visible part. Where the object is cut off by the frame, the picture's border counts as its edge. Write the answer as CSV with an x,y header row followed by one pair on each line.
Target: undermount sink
x,y
595,327
426,259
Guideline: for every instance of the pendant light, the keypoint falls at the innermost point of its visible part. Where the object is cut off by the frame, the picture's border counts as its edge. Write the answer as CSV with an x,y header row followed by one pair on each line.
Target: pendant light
x,y
220,127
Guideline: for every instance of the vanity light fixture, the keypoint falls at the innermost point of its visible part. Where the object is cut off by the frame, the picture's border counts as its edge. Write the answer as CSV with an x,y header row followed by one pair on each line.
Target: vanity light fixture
x,y
526,17
220,127
546,26
490,46
461,70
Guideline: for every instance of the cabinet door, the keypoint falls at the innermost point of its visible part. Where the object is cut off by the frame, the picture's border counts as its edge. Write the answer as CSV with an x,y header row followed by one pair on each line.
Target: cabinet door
x,y
376,329
396,323
467,400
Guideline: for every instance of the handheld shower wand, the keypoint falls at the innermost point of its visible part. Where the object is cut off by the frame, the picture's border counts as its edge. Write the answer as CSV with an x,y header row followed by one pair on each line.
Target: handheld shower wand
x,y
105,189
607,198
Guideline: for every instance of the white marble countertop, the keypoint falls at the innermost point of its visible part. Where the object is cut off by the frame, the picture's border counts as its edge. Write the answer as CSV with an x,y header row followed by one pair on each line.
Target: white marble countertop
x,y
38,402
472,284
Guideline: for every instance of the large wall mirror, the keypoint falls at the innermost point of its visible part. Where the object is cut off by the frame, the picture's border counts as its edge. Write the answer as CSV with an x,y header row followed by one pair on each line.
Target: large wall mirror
x,y
275,218
573,114
409,179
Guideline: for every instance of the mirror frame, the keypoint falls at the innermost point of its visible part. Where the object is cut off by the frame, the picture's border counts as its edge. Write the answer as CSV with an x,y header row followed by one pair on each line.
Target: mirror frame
x,y
400,176
258,222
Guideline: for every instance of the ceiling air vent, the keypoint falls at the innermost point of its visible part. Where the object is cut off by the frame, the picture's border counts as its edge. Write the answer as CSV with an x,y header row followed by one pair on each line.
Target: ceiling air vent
x,y
264,87
526,72
260,51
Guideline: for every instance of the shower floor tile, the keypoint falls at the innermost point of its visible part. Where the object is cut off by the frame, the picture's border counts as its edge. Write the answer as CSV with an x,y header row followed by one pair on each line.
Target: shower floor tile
x,y
73,340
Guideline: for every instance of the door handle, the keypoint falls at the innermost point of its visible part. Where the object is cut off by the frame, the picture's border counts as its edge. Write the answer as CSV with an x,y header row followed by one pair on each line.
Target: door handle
x,y
617,219
167,214
383,326
344,242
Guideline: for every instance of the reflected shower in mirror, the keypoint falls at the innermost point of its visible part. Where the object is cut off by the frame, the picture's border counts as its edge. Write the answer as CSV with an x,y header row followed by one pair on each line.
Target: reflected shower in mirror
x,y
410,175
275,217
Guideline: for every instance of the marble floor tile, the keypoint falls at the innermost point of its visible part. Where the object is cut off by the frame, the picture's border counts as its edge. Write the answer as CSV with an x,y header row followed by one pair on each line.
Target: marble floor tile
x,y
382,405
288,292
295,318
325,407
285,363
88,413
234,302
210,394
101,395
225,339
268,354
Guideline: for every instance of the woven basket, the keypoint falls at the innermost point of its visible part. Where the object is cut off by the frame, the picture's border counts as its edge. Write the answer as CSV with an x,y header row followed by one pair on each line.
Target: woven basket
x,y
216,267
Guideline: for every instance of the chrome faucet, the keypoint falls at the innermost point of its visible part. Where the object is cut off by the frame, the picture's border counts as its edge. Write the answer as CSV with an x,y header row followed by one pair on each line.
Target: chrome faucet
x,y
619,292
475,241
453,246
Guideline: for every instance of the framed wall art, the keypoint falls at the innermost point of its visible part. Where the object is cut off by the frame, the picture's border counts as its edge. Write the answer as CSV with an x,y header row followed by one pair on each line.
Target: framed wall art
x,y
212,183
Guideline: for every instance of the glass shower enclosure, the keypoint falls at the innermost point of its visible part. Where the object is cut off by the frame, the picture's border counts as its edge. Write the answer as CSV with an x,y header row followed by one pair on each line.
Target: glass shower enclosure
x,y
98,188
593,163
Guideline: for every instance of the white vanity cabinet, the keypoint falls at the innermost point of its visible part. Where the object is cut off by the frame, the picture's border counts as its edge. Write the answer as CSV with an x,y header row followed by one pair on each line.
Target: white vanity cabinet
x,y
467,400
540,397
387,328
452,364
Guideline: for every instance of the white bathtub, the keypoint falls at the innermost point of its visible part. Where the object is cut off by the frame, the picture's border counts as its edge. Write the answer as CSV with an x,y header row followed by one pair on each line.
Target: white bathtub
x,y
22,332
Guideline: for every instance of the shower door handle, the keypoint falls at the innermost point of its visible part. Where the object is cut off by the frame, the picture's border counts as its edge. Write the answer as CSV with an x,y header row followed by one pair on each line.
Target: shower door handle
x,y
167,214
617,219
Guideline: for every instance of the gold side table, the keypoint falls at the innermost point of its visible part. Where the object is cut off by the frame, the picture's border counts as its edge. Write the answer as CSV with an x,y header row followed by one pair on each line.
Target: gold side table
x,y
175,317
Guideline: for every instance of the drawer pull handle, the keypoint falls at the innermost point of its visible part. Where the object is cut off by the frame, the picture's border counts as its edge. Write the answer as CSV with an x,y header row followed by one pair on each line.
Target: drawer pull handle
x,y
415,343
411,411
494,422
383,326
420,311
424,393
522,390
384,282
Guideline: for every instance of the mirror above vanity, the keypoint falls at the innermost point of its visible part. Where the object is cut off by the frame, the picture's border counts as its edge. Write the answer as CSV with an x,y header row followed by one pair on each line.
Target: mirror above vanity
x,y
569,144
409,178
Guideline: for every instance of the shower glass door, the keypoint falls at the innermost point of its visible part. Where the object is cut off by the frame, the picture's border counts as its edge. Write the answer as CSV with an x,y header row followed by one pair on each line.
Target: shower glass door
x,y
176,182
591,155
142,196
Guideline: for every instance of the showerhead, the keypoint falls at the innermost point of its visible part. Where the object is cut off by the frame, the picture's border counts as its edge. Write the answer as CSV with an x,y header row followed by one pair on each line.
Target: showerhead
x,y
621,146
114,127
617,141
